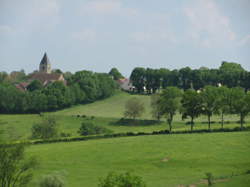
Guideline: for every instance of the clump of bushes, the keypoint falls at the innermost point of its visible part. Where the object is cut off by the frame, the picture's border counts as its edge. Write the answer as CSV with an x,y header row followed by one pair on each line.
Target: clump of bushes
x,y
121,180
52,180
88,128
45,129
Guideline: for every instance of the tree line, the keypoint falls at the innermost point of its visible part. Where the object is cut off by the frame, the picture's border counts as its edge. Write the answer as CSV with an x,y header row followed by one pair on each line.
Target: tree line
x,y
82,87
150,80
191,104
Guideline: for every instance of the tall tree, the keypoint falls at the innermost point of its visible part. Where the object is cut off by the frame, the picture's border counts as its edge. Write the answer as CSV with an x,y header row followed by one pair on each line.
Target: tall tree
x,y
169,103
116,74
240,103
210,100
138,79
223,102
191,105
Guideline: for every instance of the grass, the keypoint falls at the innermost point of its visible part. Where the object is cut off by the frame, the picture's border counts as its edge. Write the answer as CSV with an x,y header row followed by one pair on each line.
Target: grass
x,y
106,113
161,160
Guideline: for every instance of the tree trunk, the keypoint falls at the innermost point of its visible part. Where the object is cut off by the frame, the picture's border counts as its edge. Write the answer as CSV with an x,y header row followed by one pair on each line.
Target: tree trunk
x,y
222,120
241,121
209,122
192,123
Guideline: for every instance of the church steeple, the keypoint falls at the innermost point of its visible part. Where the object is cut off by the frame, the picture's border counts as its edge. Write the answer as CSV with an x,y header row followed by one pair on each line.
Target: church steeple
x,y
45,66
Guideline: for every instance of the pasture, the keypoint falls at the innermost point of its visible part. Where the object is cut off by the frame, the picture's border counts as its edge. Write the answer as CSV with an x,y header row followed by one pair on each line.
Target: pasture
x,y
161,160
103,113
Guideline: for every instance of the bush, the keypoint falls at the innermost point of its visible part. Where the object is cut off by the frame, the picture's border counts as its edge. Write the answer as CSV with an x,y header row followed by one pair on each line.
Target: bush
x,y
88,128
47,128
121,180
52,180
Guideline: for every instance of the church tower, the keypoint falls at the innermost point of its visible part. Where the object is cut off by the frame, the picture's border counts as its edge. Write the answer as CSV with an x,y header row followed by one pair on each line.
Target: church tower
x,y
45,66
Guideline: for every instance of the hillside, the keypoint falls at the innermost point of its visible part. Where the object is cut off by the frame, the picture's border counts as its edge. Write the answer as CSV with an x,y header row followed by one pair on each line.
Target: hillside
x,y
112,107
162,160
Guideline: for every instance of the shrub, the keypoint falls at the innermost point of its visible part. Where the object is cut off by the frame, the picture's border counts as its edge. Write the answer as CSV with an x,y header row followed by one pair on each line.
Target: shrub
x,y
45,129
121,180
88,128
52,180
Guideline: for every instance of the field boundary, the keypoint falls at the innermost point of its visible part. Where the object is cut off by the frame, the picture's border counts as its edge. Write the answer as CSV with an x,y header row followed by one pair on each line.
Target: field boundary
x,y
129,134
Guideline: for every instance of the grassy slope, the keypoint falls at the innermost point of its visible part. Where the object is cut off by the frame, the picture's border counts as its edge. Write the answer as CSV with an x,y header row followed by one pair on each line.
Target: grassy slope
x,y
190,156
112,107
105,111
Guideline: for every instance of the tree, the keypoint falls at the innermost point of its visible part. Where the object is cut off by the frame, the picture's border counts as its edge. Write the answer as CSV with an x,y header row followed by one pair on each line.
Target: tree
x,y
134,108
223,102
240,103
15,169
169,103
191,105
47,128
210,101
35,85
137,78
155,105
121,180
116,74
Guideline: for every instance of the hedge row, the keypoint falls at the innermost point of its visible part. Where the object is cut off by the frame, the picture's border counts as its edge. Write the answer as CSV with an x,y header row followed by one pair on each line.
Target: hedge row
x,y
127,134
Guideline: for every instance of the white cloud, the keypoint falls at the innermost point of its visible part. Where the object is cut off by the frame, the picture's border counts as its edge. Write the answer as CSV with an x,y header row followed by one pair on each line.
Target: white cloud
x,y
208,26
85,35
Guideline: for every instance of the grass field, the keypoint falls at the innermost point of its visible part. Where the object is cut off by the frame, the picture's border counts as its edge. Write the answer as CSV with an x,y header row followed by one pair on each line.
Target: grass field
x,y
162,160
106,113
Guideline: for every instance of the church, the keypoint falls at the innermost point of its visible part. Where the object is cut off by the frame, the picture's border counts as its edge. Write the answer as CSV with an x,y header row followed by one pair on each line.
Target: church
x,y
44,75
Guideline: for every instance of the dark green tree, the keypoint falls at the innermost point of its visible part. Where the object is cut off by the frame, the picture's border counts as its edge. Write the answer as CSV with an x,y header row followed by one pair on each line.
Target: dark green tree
x,y
210,101
240,103
191,105
115,74
169,103
35,85
138,79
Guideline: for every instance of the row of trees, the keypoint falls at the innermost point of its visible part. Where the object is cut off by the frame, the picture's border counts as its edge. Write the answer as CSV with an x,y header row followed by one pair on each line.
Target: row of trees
x,y
228,74
209,101
82,87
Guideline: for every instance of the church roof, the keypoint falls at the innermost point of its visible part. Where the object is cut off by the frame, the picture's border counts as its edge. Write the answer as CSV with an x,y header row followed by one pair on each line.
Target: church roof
x,y
45,59
46,77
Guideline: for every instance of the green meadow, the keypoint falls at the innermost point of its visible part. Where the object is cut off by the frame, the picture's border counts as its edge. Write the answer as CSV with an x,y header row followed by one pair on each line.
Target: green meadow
x,y
103,113
161,160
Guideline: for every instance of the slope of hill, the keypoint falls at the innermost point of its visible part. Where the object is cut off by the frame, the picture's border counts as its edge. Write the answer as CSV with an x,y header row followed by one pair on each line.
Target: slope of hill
x,y
112,107
162,160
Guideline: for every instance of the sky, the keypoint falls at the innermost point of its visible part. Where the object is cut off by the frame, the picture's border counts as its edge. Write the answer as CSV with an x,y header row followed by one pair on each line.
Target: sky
x,y
97,35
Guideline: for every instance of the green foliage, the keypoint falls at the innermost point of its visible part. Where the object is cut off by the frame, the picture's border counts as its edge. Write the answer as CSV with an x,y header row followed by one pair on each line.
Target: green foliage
x,y
210,101
155,105
169,103
121,180
88,128
45,129
116,74
138,79
134,108
15,170
191,105
52,180
35,85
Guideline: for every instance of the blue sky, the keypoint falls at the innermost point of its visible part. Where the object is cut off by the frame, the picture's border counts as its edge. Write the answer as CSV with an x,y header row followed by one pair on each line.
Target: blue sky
x,y
100,34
